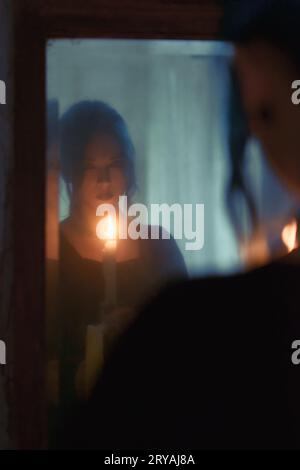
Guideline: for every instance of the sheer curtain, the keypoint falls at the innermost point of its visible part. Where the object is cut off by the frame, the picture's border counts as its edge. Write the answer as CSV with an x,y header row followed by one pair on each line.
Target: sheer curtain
x,y
187,148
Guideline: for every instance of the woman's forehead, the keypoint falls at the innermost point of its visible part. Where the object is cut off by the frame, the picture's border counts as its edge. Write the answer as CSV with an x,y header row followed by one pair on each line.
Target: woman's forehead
x,y
102,147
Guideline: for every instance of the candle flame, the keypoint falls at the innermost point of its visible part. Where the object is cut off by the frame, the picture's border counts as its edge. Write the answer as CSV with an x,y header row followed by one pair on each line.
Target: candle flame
x,y
289,236
111,245
106,230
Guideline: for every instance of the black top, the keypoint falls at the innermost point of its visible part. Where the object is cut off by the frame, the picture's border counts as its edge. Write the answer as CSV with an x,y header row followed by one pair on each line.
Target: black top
x,y
207,365
81,291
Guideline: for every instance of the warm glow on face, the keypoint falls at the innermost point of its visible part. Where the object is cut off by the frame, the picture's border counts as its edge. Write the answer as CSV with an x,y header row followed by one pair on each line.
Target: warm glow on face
x,y
106,230
289,236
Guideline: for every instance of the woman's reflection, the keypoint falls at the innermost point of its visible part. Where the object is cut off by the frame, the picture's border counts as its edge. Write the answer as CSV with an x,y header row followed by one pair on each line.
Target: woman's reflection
x,y
97,164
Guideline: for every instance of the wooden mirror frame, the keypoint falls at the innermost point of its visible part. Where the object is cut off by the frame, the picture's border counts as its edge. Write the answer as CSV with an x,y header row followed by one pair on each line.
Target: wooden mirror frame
x,y
35,22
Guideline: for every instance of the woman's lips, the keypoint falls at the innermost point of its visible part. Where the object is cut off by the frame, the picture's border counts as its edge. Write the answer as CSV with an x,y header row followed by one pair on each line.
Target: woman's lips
x,y
105,197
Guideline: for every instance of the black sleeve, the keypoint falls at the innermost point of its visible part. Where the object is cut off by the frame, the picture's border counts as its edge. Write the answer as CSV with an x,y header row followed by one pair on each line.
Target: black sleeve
x,y
146,396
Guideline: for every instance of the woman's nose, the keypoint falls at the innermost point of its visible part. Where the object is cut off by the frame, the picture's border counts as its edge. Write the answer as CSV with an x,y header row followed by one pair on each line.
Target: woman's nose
x,y
103,175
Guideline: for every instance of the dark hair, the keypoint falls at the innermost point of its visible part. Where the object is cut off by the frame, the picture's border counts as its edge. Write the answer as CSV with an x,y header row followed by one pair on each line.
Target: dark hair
x,y
274,21
79,124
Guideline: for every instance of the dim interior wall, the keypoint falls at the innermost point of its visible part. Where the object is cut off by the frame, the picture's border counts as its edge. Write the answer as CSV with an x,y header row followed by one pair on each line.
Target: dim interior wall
x,y
5,209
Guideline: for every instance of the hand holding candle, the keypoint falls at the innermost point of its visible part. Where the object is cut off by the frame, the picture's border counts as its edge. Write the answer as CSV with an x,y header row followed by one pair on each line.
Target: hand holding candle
x,y
106,230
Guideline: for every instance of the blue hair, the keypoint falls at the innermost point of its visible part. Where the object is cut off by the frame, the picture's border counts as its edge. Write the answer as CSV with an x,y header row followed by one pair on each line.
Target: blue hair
x,y
83,121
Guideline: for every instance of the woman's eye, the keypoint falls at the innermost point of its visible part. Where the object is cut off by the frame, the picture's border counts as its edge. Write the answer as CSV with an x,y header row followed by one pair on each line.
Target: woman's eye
x,y
116,164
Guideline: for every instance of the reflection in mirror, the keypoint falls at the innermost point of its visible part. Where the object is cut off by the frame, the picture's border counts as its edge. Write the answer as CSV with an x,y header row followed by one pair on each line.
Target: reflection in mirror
x,y
138,169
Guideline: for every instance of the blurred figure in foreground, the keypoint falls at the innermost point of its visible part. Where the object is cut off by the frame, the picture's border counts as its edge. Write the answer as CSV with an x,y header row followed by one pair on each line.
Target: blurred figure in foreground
x,y
208,364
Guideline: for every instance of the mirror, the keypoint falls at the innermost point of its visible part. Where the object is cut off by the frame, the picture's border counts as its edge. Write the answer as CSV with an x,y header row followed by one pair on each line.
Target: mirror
x,y
138,166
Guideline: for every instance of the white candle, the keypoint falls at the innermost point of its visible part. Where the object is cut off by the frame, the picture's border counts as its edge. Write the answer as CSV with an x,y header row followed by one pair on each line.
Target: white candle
x,y
107,231
110,274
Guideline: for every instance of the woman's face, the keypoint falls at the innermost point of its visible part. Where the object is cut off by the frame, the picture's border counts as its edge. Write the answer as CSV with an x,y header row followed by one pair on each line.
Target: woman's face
x,y
266,75
103,178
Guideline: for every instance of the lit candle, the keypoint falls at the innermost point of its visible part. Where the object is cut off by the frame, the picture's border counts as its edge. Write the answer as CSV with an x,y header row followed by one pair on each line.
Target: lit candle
x,y
107,230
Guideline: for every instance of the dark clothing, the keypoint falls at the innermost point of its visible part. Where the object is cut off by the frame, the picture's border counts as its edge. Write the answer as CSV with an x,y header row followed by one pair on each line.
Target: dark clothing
x,y
207,365
81,292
